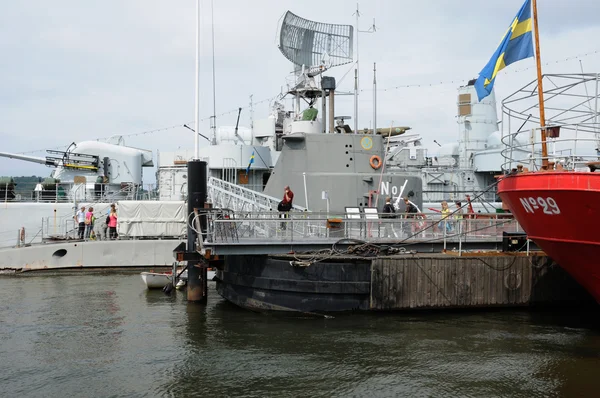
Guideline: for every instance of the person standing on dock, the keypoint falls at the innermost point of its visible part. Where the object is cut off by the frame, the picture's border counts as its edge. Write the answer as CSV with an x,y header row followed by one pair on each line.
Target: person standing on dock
x,y
38,190
286,205
388,214
112,222
445,214
80,220
410,211
458,214
89,222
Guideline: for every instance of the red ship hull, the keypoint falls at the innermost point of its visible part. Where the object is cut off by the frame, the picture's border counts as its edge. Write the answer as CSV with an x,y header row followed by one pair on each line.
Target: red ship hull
x,y
560,212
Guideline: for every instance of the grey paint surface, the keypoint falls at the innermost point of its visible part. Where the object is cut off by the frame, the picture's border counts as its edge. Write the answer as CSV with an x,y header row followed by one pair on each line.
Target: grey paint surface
x,y
340,165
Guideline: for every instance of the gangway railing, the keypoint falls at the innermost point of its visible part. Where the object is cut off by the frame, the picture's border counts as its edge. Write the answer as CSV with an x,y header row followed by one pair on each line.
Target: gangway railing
x,y
223,194
266,233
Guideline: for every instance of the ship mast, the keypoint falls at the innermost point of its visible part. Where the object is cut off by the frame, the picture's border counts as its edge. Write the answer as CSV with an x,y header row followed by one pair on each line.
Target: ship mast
x,y
197,79
214,116
372,29
538,60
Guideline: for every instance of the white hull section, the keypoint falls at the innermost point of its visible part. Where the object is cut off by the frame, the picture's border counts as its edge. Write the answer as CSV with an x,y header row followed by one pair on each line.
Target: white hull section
x,y
94,254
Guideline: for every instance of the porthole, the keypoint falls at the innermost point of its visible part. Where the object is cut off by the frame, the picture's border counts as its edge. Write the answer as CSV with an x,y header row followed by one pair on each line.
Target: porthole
x,y
59,253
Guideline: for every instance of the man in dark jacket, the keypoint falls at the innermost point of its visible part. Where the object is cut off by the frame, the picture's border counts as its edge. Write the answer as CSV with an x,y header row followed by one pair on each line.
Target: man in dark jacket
x,y
388,212
410,212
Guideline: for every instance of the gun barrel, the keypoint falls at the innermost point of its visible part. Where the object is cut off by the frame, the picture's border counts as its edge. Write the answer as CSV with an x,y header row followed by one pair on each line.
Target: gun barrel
x,y
32,159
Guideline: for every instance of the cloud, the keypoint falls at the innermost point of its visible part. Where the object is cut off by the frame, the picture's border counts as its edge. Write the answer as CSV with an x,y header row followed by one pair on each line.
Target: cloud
x,y
76,70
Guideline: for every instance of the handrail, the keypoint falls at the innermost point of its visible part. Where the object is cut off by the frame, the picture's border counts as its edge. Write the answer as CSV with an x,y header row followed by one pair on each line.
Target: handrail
x,y
70,191
533,159
244,195
259,229
571,111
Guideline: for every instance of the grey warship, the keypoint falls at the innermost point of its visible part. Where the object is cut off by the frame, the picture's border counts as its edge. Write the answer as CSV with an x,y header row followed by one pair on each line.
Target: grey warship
x,y
329,167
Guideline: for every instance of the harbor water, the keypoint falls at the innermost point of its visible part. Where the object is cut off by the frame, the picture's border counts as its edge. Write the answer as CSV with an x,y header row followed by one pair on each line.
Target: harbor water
x,y
104,335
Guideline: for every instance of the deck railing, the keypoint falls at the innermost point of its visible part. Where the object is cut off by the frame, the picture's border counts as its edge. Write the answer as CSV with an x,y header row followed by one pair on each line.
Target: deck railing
x,y
230,227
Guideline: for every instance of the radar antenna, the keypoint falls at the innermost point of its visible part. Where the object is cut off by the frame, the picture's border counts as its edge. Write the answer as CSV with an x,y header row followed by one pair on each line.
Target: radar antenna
x,y
314,47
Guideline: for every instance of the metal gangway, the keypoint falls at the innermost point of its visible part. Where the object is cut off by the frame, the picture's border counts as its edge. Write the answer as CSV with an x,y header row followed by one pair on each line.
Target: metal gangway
x,y
225,195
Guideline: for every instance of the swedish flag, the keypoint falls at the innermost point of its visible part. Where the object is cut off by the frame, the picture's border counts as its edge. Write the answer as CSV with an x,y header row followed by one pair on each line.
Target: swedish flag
x,y
250,163
516,45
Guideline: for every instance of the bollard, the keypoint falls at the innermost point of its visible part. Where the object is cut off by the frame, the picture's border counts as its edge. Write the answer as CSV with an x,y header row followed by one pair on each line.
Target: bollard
x,y
197,190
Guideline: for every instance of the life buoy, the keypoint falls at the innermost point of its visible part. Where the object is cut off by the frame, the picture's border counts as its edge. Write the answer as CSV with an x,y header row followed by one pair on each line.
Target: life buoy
x,y
375,162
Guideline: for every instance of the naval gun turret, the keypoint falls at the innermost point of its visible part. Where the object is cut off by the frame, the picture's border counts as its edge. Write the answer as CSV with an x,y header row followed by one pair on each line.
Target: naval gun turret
x,y
92,170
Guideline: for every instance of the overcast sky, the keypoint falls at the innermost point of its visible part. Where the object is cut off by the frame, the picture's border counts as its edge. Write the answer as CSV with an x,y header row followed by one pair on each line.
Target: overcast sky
x,y
74,70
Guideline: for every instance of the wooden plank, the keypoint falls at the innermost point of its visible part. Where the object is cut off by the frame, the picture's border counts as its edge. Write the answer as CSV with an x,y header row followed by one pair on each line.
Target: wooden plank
x,y
416,287
473,282
491,291
498,282
383,285
485,296
375,291
386,284
442,283
393,283
413,285
468,285
380,292
406,283
524,275
435,294
491,287
479,283
449,276
504,266
420,298
459,282
399,282
391,276
528,281
442,294
514,282
429,283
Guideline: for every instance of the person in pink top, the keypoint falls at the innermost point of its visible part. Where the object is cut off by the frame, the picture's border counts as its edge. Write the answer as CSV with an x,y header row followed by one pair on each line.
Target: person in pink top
x,y
89,222
112,222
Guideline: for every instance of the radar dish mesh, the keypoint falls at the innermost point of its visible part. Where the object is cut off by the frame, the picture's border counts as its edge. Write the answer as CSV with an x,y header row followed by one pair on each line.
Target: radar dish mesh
x,y
313,43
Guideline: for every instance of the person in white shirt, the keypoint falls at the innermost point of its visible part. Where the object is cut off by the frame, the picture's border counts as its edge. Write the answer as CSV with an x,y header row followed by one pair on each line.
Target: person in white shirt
x,y
38,190
80,219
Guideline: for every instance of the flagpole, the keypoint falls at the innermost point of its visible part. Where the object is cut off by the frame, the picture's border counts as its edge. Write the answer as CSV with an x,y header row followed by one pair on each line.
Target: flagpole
x,y
538,60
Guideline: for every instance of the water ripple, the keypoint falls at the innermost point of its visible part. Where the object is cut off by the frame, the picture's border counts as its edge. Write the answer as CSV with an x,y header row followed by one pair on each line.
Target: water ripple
x,y
104,335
